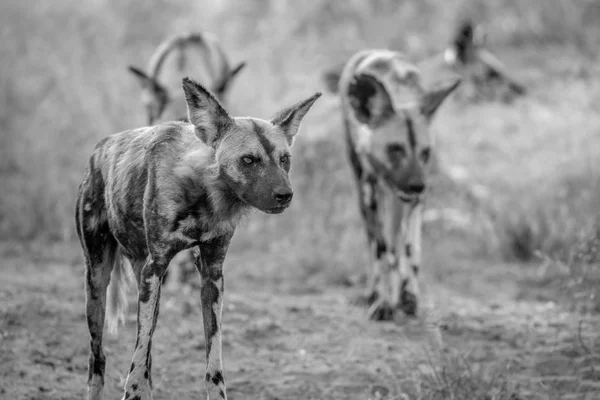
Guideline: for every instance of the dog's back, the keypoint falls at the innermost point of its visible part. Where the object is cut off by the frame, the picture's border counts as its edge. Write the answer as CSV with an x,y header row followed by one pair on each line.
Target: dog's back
x,y
124,160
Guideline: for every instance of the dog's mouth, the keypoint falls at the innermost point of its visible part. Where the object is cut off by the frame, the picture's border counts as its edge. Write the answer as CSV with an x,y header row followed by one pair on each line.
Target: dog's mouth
x,y
407,197
275,210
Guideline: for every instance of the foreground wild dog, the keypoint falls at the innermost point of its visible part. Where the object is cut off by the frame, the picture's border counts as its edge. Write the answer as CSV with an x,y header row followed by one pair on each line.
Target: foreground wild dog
x,y
217,73
151,192
386,114
486,75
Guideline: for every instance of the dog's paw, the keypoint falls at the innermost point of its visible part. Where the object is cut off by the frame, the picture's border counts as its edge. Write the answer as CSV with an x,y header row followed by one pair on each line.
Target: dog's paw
x,y
381,311
408,302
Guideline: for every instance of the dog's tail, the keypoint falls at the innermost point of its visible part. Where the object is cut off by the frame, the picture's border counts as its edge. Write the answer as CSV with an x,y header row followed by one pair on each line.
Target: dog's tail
x,y
116,298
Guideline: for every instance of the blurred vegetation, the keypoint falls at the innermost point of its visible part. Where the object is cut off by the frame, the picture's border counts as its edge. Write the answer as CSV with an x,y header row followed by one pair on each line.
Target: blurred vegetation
x,y
64,85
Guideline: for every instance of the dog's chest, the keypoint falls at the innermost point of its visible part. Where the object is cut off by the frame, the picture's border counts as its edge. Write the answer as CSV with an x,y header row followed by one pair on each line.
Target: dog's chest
x,y
205,227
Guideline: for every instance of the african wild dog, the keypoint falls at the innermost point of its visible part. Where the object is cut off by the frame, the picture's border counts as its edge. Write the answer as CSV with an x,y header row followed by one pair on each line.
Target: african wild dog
x,y
151,192
386,114
217,73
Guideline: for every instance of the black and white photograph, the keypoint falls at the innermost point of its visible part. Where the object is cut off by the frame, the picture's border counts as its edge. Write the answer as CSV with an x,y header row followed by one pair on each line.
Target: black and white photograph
x,y
300,200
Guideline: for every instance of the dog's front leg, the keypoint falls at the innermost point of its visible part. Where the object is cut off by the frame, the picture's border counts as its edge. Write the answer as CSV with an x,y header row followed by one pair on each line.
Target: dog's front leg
x,y
385,271
210,265
139,380
410,261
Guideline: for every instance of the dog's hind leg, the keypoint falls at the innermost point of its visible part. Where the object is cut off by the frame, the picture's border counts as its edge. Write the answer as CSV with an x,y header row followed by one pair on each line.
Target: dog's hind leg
x,y
100,252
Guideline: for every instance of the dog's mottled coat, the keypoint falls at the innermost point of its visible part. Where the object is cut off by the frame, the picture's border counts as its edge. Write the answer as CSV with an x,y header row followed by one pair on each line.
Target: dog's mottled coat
x,y
152,192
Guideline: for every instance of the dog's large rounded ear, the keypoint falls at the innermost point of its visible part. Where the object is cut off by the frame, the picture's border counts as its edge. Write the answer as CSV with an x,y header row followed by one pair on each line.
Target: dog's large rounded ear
x,y
289,119
144,80
205,112
369,100
433,99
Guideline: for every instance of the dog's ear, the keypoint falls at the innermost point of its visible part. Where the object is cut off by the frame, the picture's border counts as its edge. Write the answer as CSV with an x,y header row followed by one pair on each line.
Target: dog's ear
x,y
433,99
205,112
223,85
144,80
289,119
236,70
369,99
331,78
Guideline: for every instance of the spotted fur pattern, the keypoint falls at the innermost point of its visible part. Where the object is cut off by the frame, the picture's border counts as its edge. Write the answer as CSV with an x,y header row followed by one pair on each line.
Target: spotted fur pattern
x,y
152,192
387,113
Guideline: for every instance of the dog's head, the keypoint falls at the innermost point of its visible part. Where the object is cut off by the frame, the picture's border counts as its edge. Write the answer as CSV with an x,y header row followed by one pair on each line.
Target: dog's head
x,y
155,97
394,114
252,155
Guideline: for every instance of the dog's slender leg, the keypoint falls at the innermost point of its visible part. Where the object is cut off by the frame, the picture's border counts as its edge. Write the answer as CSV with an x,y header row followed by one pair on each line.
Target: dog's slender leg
x,y
99,248
410,260
210,265
139,379
368,211
99,263
381,281
396,221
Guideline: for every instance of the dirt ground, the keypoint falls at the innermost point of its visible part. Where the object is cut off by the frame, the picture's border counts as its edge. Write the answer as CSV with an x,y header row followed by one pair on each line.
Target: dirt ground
x,y
481,327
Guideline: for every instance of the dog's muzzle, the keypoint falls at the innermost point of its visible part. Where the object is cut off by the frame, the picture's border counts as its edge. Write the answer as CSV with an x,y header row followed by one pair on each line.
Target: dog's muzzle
x,y
381,171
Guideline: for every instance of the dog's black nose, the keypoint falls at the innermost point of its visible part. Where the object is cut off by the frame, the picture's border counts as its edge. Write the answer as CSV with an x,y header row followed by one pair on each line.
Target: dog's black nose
x,y
417,187
283,196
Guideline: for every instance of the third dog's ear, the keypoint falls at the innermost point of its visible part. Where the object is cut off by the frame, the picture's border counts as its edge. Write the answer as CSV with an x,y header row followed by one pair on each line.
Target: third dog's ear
x,y
144,80
433,99
289,119
205,112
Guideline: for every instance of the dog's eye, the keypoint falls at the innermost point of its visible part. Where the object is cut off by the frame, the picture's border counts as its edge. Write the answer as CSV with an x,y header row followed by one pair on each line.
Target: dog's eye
x,y
248,160
396,150
425,154
285,159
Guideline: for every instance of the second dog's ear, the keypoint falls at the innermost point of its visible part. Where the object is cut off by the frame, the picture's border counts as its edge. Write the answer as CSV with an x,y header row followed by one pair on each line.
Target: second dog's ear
x,y
236,70
222,86
289,119
205,112
144,80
